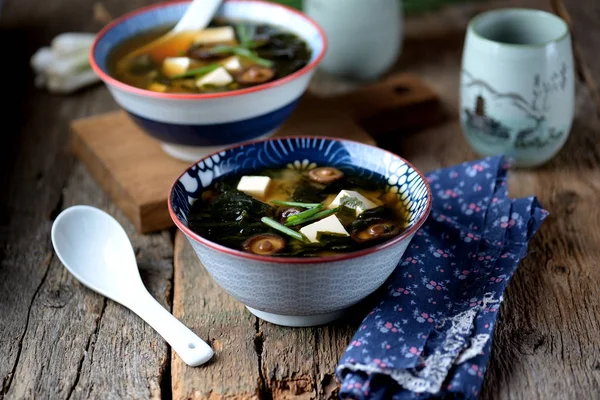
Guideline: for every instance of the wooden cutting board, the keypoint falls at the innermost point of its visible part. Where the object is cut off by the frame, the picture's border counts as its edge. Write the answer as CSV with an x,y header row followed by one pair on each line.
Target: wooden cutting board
x,y
132,168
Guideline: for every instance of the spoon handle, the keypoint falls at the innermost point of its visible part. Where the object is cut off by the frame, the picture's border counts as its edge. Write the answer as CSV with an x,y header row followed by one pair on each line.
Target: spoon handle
x,y
192,350
197,16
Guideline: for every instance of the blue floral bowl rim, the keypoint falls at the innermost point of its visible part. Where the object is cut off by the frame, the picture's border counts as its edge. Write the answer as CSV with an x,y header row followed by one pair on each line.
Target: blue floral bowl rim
x,y
300,260
106,78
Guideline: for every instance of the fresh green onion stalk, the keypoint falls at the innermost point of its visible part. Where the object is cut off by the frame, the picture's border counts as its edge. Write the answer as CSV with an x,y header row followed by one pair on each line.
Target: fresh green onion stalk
x,y
63,67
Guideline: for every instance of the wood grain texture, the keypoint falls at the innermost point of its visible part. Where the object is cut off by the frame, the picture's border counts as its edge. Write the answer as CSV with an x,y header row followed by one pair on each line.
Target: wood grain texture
x,y
546,341
121,156
288,361
299,363
583,17
224,323
50,326
59,340
94,347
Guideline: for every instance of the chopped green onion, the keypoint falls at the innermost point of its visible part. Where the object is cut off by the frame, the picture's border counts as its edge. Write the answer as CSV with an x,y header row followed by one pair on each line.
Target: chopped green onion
x,y
246,34
254,44
242,34
283,229
250,55
242,52
295,204
197,71
313,217
304,214
222,48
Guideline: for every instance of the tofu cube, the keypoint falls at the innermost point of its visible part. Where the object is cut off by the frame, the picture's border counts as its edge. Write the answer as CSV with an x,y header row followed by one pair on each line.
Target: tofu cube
x,y
172,66
218,77
355,200
232,63
255,186
214,35
331,225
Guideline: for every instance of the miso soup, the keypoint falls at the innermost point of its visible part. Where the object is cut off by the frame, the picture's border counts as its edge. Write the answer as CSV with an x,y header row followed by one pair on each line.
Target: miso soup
x,y
225,56
288,212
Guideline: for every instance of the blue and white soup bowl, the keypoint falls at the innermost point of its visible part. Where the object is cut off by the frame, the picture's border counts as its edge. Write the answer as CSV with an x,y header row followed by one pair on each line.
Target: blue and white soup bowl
x,y
190,126
301,291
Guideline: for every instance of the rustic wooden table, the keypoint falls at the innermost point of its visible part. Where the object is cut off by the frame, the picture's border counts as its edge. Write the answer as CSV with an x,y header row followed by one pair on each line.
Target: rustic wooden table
x,y
60,340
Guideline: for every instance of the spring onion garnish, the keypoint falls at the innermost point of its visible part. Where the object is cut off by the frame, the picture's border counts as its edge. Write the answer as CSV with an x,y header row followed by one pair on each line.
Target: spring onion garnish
x,y
64,67
295,204
197,71
242,52
246,35
250,55
243,34
283,229
304,214
313,217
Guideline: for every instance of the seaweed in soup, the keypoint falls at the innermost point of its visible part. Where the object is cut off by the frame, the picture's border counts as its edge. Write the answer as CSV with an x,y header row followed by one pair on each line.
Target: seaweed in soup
x,y
227,55
274,223
228,216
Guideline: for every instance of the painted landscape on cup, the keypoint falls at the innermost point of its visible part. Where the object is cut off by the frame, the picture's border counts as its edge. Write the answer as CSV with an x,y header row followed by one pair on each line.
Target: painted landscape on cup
x,y
528,128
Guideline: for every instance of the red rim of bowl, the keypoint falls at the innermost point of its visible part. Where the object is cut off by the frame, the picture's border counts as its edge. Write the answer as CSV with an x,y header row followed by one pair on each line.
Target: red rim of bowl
x,y
300,260
186,96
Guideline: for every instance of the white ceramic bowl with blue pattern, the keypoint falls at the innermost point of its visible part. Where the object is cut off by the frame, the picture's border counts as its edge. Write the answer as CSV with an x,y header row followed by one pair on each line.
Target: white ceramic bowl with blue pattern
x,y
190,126
301,291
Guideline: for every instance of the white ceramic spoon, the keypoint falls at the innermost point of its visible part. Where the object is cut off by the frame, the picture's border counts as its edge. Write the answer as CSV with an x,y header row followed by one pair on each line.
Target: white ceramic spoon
x,y
196,17
94,247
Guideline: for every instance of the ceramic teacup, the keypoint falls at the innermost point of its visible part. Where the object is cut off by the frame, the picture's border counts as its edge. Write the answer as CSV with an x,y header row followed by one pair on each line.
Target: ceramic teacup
x,y
517,84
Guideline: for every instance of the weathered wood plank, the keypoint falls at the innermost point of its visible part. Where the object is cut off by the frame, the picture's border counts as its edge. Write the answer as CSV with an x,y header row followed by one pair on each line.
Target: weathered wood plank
x,y
94,347
546,340
226,325
331,341
24,248
583,17
288,361
296,363
50,326
33,199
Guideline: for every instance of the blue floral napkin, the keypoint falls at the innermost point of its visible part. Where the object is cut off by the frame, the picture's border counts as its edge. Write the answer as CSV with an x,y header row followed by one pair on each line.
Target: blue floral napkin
x,y
429,336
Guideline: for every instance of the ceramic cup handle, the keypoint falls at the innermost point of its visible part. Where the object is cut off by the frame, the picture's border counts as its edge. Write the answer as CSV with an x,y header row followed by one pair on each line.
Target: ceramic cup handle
x,y
192,350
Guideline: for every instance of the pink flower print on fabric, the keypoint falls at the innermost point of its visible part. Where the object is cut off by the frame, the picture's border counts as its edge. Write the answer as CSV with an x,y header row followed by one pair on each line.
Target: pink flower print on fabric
x,y
441,303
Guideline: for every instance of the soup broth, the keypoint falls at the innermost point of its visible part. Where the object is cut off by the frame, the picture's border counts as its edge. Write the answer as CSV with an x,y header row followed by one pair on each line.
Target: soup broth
x,y
225,56
287,212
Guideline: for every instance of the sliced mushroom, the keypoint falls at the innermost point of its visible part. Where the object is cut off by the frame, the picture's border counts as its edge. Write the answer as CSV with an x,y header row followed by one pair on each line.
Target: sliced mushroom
x,y
283,213
209,195
380,230
325,174
254,75
265,244
203,53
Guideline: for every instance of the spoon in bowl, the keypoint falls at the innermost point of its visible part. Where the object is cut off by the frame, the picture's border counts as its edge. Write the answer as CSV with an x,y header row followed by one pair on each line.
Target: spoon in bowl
x,y
196,17
94,247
